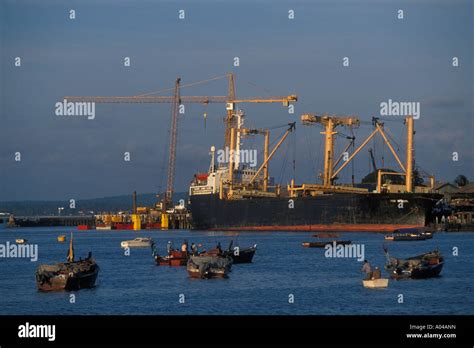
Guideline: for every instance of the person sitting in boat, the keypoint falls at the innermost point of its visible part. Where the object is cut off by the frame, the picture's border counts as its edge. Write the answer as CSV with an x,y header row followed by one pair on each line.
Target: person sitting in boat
x,y
376,274
194,249
169,247
367,269
184,247
219,248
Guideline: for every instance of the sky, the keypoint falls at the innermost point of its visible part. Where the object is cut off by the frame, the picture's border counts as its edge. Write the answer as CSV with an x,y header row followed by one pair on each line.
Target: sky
x,y
407,60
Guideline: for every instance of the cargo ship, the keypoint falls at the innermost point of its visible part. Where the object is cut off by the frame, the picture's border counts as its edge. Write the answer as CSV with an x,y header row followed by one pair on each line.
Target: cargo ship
x,y
236,197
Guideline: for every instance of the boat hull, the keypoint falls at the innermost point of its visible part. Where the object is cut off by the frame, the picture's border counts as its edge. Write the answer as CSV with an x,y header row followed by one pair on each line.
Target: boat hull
x,y
428,265
405,238
206,267
335,212
125,245
196,274
244,255
137,243
375,283
68,281
176,259
428,272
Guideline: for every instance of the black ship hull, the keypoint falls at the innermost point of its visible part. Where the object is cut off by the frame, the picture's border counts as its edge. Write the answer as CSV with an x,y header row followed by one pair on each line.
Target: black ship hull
x,y
332,212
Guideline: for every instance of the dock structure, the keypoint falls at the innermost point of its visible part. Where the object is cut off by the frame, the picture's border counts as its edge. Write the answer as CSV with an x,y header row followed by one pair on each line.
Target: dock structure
x,y
51,220
178,221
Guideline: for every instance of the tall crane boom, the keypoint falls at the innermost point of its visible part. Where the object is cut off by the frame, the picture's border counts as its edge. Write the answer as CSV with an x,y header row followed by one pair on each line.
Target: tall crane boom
x,y
184,99
173,142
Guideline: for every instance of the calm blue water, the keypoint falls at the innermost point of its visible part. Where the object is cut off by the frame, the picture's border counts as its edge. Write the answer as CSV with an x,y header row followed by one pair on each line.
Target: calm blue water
x,y
135,285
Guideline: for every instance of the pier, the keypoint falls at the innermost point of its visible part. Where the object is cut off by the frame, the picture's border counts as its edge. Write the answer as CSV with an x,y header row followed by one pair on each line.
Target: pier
x,y
40,221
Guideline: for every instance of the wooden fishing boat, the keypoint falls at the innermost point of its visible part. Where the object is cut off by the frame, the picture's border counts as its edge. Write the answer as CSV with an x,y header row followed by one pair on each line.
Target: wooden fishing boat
x,y
404,237
204,267
176,258
323,244
21,241
67,276
61,238
238,255
409,234
375,283
427,265
243,255
71,275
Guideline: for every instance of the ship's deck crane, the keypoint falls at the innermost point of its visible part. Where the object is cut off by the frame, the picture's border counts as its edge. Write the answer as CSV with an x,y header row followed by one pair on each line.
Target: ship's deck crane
x,y
230,100
330,173
330,123
268,157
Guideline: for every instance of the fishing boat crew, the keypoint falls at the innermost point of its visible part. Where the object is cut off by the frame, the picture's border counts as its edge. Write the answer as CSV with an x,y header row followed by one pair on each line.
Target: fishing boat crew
x,y
194,249
367,269
169,247
184,247
219,248
376,274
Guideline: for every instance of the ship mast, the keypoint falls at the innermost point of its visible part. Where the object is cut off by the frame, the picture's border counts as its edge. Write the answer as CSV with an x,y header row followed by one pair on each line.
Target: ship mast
x,y
409,165
330,123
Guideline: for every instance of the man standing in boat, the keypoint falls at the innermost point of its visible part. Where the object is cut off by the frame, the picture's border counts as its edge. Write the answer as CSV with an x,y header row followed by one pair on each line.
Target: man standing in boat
x,y
367,269
194,249
169,247
219,248
376,274
184,247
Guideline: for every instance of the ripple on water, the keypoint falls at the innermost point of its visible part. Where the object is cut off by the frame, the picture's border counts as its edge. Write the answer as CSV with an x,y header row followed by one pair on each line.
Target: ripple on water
x,y
134,285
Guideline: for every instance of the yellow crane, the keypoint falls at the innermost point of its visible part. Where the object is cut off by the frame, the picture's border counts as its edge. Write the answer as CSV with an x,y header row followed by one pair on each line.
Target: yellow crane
x,y
330,123
230,100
